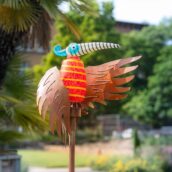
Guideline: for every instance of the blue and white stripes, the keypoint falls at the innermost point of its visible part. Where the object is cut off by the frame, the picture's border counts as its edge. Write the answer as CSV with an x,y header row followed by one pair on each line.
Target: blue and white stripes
x,y
75,49
86,48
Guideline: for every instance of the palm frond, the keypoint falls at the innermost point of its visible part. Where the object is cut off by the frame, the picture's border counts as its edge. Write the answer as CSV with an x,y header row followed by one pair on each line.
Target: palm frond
x,y
50,6
23,114
39,33
35,18
14,3
20,87
20,19
8,136
69,23
18,84
17,100
83,5
26,116
6,98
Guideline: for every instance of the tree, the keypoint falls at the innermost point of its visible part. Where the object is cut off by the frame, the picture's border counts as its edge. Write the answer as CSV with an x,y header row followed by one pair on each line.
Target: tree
x,y
154,105
92,28
17,105
136,142
148,42
29,22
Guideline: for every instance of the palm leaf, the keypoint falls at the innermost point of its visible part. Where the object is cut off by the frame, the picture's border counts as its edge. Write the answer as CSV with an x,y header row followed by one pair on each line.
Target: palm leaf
x,y
35,18
17,100
8,136
69,23
83,5
14,3
18,84
5,98
50,6
40,32
20,19
23,114
53,10
26,116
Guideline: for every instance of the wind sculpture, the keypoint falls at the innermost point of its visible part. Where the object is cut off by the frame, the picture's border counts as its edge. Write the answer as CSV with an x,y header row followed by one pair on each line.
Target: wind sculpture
x,y
66,94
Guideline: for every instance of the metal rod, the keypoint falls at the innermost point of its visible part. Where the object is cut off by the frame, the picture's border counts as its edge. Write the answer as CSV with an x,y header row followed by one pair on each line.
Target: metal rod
x,y
72,145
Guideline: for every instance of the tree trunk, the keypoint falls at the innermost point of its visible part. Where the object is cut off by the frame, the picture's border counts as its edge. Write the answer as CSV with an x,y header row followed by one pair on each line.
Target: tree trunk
x,y
8,43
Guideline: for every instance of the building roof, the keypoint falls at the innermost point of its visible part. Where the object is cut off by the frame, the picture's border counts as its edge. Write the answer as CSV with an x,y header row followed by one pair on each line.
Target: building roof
x,y
123,26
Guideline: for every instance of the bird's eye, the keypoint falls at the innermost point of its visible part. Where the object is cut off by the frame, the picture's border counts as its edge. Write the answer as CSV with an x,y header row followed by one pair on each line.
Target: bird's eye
x,y
73,47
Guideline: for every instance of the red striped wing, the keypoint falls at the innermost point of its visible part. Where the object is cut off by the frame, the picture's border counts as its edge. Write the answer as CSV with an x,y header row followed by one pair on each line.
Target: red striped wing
x,y
103,82
52,96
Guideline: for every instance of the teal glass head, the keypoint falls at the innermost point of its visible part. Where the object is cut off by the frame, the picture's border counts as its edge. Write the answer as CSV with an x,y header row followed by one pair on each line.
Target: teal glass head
x,y
75,49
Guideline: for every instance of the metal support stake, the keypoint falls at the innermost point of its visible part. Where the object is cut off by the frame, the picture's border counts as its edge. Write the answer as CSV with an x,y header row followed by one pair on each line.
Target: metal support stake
x,y
72,145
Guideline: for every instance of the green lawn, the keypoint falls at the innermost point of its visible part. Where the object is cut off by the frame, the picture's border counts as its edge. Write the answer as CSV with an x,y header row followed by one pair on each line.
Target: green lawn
x,y
43,158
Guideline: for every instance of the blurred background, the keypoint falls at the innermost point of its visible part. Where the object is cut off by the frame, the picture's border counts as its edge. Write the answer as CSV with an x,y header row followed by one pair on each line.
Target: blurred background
x,y
132,135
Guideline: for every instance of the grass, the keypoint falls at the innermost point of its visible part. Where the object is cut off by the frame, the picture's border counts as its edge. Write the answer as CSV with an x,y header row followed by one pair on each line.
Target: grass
x,y
43,158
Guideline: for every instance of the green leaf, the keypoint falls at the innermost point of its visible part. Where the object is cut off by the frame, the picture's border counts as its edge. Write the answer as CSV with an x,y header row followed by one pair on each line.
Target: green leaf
x,y
70,24
15,4
9,136
20,19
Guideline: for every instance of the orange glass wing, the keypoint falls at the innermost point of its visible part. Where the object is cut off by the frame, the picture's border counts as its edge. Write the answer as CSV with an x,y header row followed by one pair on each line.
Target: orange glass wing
x,y
103,82
52,96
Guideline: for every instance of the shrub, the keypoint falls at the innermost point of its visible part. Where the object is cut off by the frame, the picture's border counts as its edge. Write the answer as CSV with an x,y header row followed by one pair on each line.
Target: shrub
x,y
101,163
104,163
119,166
89,135
137,165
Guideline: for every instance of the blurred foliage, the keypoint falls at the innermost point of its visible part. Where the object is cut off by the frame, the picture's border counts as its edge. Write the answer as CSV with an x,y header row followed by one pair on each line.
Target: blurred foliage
x,y
84,135
148,42
102,163
89,135
154,105
136,142
18,112
8,136
160,141
150,100
111,164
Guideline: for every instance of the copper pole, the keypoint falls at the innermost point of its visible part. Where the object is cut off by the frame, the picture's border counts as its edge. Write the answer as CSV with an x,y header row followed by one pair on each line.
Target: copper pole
x,y
72,145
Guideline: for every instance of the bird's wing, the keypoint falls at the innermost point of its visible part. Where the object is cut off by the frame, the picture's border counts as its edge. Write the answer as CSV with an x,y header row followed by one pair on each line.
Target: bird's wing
x,y
104,83
52,96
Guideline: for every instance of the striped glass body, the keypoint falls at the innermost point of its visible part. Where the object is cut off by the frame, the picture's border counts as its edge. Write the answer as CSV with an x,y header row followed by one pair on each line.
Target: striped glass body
x,y
74,78
85,48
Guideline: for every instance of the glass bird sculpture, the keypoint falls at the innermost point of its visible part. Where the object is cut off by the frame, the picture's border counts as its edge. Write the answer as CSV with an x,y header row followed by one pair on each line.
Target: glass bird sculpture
x,y
67,93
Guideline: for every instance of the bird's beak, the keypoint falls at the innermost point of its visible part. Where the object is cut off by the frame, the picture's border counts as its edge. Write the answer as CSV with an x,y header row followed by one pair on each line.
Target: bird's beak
x,y
59,52
86,48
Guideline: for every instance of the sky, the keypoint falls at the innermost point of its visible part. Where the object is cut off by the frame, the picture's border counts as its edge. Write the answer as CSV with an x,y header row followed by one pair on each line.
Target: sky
x,y
149,11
